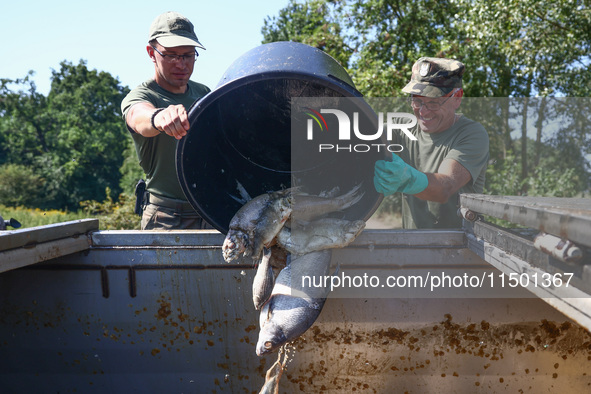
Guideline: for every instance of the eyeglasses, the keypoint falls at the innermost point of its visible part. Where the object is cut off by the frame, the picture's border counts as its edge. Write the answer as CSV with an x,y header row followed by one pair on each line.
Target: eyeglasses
x,y
178,58
434,105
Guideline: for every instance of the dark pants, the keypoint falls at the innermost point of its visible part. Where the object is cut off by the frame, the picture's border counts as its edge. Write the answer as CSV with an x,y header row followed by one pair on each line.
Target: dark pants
x,y
167,214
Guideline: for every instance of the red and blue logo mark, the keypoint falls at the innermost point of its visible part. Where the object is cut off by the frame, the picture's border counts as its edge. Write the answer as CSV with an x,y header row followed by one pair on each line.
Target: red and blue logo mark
x,y
317,117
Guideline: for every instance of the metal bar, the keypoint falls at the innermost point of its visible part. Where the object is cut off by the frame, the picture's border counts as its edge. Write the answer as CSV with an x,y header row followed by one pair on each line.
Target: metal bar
x,y
132,283
571,301
204,239
137,267
160,239
21,257
567,218
515,256
156,247
513,244
105,283
35,235
410,238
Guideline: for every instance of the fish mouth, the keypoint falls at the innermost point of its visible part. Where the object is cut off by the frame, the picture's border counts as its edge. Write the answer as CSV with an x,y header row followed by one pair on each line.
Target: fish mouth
x,y
233,245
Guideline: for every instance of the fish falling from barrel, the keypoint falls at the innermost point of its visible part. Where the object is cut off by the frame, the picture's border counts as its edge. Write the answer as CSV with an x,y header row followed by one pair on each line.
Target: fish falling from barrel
x,y
293,308
257,223
289,227
292,221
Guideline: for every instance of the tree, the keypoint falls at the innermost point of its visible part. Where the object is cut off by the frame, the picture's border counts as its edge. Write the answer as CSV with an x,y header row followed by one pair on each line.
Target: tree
x,y
130,170
512,48
312,23
74,138
23,122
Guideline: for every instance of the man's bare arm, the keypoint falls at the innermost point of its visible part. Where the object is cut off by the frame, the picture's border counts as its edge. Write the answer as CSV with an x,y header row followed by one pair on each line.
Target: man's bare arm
x,y
450,177
172,120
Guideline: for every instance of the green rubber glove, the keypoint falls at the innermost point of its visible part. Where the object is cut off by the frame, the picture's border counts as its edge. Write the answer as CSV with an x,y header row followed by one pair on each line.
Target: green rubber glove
x,y
397,176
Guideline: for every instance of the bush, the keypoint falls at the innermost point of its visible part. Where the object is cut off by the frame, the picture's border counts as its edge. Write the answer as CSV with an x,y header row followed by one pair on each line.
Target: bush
x,y
113,215
20,186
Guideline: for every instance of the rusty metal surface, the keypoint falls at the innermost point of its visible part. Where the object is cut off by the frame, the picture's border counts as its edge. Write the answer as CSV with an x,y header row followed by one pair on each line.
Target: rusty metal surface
x,y
568,218
156,319
443,346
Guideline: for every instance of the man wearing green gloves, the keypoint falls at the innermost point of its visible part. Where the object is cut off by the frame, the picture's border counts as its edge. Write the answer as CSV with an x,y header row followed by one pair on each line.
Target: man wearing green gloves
x,y
448,157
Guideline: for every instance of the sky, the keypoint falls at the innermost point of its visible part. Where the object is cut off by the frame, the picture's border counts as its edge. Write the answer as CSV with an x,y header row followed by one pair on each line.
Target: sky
x,y
112,35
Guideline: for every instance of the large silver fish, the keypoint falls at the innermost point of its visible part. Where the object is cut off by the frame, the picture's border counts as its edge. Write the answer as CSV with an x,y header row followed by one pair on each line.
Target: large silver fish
x,y
324,233
293,307
256,224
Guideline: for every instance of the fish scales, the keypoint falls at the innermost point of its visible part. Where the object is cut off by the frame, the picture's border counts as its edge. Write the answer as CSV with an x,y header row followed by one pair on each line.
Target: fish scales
x,y
324,233
262,284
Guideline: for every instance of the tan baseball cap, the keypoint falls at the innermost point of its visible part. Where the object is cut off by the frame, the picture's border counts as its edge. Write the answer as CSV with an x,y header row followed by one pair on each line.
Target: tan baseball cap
x,y
435,77
171,29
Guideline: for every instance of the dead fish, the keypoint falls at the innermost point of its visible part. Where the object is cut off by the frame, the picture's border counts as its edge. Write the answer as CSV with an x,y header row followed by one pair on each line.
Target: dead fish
x,y
308,207
293,308
262,284
324,233
256,224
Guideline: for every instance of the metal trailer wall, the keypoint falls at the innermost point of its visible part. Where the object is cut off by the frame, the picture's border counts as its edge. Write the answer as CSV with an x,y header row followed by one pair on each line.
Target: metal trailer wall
x,y
161,312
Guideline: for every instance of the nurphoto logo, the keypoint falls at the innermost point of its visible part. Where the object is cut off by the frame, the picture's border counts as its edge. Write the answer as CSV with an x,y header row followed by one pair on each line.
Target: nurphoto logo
x,y
347,130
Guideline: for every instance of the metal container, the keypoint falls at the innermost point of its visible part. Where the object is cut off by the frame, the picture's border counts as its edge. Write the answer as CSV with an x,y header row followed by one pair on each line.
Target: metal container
x,y
154,312
241,134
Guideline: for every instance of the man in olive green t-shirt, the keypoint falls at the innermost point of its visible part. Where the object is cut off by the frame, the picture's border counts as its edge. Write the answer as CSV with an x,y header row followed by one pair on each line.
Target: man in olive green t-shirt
x,y
449,155
156,115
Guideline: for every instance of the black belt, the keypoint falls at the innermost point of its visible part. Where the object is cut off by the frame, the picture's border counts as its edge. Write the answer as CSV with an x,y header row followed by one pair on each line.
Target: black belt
x,y
177,205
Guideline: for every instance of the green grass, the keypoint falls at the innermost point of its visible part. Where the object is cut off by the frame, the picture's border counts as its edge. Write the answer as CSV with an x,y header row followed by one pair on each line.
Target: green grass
x,y
112,215
33,217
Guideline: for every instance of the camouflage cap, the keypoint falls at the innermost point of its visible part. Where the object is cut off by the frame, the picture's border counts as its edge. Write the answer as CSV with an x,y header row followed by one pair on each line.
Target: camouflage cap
x,y
171,29
435,77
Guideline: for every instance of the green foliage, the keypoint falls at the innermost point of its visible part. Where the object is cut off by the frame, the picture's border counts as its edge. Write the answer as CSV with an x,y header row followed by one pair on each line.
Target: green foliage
x,y
130,170
511,48
113,215
34,217
553,183
74,139
19,185
312,23
504,178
